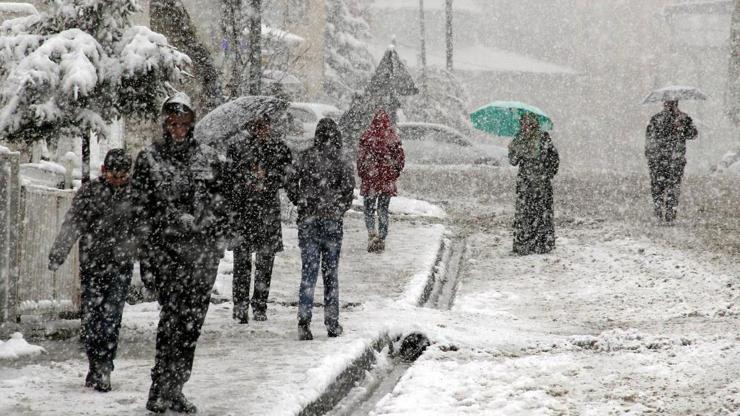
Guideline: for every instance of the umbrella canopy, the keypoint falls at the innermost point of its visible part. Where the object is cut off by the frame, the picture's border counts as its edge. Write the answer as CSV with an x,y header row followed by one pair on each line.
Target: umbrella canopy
x,y
502,117
226,120
675,93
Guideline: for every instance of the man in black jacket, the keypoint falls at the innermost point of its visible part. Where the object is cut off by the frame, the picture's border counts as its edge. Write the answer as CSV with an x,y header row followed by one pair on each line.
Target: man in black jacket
x,y
322,187
258,165
100,217
179,235
665,149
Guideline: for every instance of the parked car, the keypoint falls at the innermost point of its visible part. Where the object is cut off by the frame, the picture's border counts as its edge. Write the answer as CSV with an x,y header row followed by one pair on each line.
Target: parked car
x,y
303,119
429,143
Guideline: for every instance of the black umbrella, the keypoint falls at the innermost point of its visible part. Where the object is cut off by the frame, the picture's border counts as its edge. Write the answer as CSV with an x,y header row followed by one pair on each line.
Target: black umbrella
x,y
229,119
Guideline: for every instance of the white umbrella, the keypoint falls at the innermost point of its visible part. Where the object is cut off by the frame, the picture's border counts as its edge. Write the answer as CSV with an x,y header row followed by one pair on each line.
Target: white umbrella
x,y
675,93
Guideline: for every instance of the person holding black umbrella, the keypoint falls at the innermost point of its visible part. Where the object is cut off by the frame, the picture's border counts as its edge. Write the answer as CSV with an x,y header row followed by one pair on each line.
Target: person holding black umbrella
x,y
259,163
665,150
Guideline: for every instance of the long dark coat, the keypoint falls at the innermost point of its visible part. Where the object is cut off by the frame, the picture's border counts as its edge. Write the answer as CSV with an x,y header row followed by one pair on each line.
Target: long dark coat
x,y
254,201
665,141
534,231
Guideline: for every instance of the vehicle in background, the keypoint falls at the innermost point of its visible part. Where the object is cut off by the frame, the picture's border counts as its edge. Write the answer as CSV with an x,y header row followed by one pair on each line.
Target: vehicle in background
x,y
429,143
9,11
303,118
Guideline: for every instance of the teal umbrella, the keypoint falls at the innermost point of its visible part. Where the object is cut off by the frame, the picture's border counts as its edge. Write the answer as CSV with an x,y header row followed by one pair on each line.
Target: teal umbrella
x,y
502,117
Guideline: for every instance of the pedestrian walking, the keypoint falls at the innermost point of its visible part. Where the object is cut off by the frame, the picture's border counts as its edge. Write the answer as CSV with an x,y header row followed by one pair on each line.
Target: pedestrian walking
x,y
100,218
380,161
180,239
533,151
322,188
665,150
258,168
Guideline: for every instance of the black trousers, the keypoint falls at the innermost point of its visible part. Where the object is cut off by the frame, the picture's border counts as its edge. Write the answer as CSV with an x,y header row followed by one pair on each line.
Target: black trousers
x,y
665,186
184,294
264,261
104,291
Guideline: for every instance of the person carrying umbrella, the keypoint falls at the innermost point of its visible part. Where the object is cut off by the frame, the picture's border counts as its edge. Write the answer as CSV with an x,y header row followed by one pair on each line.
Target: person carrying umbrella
x,y
259,163
665,150
380,161
533,151
180,236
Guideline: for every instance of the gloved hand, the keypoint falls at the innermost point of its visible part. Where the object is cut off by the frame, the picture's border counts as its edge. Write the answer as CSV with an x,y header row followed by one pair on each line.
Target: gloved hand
x,y
54,266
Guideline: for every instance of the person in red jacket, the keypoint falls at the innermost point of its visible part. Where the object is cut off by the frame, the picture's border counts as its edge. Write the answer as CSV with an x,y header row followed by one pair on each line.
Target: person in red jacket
x,y
380,160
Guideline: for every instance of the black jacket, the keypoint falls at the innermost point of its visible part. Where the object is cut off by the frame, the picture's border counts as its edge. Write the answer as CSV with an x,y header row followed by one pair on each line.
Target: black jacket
x,y
254,174
666,136
180,210
322,182
101,218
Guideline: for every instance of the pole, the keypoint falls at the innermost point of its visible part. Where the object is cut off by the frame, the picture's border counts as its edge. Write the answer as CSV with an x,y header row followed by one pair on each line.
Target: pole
x,y
255,48
423,47
85,168
448,32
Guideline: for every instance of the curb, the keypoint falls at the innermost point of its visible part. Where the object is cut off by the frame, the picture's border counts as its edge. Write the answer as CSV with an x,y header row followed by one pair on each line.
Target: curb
x,y
356,370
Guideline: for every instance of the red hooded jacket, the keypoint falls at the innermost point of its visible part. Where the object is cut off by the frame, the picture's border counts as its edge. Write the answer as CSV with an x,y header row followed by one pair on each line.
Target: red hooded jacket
x,y
380,158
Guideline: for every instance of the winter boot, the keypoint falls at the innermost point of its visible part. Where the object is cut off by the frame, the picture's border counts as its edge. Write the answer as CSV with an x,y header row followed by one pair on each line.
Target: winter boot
x,y
380,245
180,404
372,242
335,331
241,314
101,383
304,332
157,403
259,315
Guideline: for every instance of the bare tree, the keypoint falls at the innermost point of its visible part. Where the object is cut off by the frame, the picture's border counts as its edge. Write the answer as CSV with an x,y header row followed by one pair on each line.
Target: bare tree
x,y
232,25
735,65
423,46
170,18
255,47
448,33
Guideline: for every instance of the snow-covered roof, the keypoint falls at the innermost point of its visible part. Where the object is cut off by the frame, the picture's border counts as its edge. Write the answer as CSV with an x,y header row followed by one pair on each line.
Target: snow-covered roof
x,y
18,9
466,5
288,38
479,58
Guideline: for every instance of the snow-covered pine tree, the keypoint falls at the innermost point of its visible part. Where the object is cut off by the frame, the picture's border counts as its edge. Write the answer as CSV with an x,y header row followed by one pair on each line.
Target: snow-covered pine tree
x,y
72,70
443,100
734,72
348,64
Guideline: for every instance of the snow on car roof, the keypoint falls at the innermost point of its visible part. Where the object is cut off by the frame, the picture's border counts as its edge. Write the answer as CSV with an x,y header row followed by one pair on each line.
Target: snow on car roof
x,y
430,126
317,108
19,8
466,5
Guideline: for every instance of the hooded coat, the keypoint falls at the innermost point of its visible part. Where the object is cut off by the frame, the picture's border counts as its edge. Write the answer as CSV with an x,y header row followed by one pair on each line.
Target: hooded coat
x,y
380,157
322,182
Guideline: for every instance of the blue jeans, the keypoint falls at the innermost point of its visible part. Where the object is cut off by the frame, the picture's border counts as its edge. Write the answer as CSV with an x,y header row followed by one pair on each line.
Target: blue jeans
x,y
382,202
320,241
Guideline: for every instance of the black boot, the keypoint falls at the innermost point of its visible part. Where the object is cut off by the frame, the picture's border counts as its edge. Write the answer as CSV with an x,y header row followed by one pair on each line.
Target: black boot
x,y
304,332
180,404
241,314
102,382
259,315
157,403
335,331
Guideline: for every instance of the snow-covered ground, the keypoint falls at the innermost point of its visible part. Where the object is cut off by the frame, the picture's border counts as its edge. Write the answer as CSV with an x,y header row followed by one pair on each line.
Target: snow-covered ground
x,y
606,324
255,369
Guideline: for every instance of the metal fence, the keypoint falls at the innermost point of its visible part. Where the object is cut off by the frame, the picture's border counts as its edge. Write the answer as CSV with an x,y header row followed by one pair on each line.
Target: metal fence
x,y
30,219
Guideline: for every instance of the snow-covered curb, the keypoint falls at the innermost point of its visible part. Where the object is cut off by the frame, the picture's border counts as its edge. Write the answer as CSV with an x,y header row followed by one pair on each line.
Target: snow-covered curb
x,y
401,205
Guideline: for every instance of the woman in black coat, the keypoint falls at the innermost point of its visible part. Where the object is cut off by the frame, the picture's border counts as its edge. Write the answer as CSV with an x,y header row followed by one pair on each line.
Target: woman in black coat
x,y
533,151
258,165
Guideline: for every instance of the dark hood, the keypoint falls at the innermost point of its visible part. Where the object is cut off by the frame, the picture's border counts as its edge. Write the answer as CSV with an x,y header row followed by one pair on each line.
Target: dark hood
x,y
328,138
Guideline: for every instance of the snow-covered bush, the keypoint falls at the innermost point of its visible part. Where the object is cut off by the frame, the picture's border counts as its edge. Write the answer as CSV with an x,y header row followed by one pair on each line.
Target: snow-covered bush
x,y
74,69
730,163
348,63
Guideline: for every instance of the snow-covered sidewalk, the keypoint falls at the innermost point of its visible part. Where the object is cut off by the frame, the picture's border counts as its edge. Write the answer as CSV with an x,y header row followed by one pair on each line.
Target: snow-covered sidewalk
x,y
254,369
